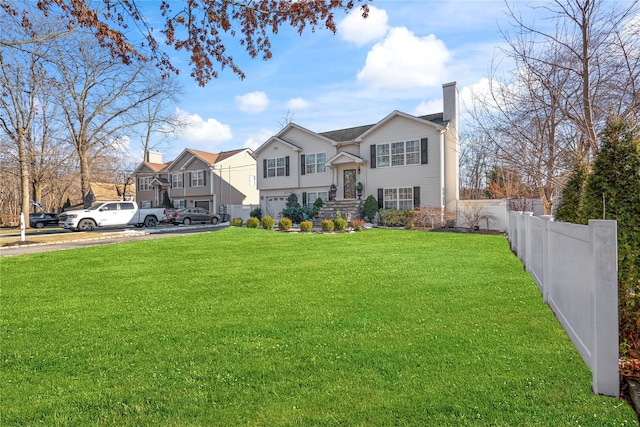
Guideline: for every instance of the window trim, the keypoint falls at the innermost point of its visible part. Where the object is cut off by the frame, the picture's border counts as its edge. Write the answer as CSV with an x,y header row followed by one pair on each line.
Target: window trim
x,y
144,183
179,180
315,164
199,177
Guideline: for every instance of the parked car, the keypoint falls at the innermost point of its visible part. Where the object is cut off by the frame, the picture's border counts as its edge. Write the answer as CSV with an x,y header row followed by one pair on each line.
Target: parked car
x,y
188,215
39,220
111,214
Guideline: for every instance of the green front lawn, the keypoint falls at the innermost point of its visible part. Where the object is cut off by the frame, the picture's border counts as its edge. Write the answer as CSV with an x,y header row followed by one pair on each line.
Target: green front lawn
x,y
252,327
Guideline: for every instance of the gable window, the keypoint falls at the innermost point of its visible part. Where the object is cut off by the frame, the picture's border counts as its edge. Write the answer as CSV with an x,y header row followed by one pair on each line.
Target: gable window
x,y
314,163
144,183
398,198
197,179
177,180
411,152
276,167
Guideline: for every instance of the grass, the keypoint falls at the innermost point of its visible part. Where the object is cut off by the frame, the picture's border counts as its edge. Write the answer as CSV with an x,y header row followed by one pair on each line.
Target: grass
x,y
251,327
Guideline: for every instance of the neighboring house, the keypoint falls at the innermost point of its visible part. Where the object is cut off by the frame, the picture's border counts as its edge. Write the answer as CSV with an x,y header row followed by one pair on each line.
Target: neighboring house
x,y
106,192
198,178
404,161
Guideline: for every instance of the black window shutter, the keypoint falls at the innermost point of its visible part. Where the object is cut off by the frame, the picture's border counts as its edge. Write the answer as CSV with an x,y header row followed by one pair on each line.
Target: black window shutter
x,y
416,197
380,198
424,158
286,166
189,178
373,156
204,177
304,197
303,166
264,168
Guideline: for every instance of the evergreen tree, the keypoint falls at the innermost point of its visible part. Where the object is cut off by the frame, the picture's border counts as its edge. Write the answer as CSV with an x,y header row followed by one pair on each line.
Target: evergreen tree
x,y
166,200
612,191
569,207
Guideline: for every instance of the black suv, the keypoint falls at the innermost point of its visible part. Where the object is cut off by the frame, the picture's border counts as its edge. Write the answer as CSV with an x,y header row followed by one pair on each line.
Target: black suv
x,y
39,220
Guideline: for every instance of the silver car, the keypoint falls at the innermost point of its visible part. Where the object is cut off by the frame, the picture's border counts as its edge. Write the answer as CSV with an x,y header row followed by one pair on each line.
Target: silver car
x,y
187,216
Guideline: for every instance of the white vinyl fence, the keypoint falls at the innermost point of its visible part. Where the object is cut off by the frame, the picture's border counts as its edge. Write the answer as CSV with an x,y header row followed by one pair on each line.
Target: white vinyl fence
x,y
576,269
239,211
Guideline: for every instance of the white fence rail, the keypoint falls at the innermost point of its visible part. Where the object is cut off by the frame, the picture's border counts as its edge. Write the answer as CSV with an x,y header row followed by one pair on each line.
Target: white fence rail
x,y
576,270
239,211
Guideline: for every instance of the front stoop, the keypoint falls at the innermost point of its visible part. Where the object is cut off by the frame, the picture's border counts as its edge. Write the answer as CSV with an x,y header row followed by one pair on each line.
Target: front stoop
x,y
347,208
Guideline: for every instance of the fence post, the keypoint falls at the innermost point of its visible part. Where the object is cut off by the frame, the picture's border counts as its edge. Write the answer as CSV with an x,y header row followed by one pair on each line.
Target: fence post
x,y
604,258
546,256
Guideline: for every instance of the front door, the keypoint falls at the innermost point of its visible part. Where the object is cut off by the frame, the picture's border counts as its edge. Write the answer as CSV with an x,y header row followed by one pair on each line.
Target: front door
x,y
349,179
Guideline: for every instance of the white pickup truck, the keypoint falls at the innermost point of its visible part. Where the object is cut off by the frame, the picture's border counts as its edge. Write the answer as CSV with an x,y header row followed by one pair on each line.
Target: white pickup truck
x,y
111,214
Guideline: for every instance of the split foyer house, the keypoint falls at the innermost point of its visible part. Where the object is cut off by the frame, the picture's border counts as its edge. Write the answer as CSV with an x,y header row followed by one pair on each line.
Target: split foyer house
x,y
404,161
198,179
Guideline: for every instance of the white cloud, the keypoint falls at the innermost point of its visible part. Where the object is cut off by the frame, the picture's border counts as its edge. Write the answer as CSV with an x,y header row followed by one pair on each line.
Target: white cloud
x,y
297,104
429,107
199,130
404,61
361,31
252,102
256,140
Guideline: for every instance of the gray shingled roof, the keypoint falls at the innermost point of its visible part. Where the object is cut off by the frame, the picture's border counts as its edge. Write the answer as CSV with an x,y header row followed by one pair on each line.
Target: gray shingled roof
x,y
350,134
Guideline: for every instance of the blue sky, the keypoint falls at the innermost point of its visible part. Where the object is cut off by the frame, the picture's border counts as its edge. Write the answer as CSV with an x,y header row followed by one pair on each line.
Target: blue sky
x,y
397,59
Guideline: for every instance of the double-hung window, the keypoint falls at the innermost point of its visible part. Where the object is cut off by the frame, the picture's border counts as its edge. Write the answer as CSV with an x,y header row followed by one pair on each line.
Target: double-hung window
x,y
398,198
276,167
177,180
312,196
403,153
197,179
144,183
314,163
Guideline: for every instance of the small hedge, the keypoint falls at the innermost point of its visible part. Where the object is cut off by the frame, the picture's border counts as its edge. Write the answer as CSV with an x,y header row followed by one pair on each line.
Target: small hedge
x,y
253,222
340,224
395,217
327,225
236,222
268,223
284,224
306,226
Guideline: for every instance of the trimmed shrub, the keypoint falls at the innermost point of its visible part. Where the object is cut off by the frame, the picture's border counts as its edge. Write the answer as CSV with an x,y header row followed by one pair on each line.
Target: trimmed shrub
x,y
370,208
297,214
256,213
268,223
253,222
327,225
236,222
306,226
395,217
340,224
284,224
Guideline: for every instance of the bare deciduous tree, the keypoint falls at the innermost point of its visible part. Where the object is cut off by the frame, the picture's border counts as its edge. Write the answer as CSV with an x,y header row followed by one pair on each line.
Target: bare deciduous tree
x,y
201,27
101,99
551,107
